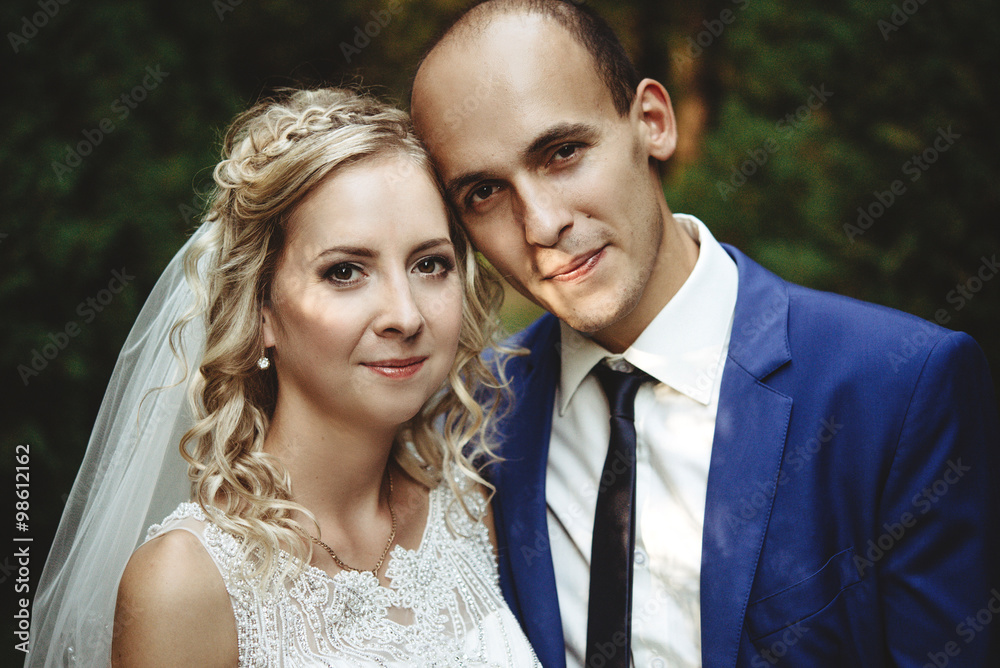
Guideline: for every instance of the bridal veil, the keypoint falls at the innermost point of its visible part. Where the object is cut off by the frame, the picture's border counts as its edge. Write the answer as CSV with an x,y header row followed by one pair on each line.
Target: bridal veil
x,y
132,476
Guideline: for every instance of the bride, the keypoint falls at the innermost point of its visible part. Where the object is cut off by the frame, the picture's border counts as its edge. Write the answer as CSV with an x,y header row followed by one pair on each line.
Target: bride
x,y
336,514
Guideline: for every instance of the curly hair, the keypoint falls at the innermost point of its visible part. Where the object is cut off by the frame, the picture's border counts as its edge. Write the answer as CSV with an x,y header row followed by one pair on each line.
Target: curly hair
x,y
274,155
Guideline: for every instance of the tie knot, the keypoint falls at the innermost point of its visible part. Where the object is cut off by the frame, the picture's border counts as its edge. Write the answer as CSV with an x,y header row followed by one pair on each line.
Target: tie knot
x,y
620,387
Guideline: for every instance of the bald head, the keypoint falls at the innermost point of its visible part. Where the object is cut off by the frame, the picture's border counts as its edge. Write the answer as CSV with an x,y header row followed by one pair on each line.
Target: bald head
x,y
514,71
607,56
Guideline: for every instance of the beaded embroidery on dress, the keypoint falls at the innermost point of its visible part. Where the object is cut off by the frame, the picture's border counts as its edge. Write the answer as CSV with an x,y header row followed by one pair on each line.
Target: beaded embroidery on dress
x,y
443,606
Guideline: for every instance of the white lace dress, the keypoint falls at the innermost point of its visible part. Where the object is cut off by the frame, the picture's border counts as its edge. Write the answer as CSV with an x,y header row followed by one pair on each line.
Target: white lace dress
x,y
443,606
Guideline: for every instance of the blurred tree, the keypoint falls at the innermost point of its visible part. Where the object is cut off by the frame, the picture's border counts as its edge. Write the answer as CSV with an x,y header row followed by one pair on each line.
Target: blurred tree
x,y
882,188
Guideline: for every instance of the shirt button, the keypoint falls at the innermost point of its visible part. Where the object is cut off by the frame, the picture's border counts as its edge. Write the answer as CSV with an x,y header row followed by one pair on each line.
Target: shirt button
x,y
640,557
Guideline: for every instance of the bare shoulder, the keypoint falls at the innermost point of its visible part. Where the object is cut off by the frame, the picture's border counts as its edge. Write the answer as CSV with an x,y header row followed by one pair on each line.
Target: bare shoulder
x,y
173,607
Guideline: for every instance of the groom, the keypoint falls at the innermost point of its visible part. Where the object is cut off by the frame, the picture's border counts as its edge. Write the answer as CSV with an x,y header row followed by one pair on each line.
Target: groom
x,y
800,496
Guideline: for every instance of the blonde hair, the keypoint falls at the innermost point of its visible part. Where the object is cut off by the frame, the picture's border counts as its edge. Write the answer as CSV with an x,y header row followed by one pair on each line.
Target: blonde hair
x,y
273,156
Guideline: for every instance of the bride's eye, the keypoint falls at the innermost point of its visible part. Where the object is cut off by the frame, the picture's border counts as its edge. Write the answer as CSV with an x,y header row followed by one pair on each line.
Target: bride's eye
x,y
343,273
430,266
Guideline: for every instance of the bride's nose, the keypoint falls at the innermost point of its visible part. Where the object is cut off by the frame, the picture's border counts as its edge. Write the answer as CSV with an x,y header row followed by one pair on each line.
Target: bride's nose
x,y
399,313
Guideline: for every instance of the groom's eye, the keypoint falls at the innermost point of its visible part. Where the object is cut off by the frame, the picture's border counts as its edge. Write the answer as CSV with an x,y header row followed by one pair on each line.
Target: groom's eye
x,y
482,193
566,151
564,154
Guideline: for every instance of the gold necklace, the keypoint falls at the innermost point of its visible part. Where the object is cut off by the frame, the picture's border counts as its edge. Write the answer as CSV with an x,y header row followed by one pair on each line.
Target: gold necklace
x,y
385,552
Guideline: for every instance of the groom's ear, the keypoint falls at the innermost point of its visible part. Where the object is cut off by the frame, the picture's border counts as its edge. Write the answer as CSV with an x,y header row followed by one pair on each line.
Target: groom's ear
x,y
654,113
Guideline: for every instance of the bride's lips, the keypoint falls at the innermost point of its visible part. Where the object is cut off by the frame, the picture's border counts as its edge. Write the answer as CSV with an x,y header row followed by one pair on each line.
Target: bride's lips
x,y
578,267
397,368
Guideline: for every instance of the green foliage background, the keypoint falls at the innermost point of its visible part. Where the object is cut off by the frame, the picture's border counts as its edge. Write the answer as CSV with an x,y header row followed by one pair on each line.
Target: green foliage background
x,y
131,202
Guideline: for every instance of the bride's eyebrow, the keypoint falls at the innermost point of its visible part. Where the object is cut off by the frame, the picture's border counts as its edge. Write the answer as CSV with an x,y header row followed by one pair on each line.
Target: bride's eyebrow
x,y
363,251
355,251
432,243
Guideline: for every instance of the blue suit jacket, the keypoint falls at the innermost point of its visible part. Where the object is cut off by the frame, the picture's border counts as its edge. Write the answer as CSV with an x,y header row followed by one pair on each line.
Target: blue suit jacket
x,y
852,516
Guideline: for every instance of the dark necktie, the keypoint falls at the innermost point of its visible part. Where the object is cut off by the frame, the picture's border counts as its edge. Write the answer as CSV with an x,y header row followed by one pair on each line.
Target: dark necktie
x,y
609,627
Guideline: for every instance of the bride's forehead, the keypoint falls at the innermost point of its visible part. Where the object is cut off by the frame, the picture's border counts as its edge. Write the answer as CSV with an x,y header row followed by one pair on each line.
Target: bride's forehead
x,y
363,195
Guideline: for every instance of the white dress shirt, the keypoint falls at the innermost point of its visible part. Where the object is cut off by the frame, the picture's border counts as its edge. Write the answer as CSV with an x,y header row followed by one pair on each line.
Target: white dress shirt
x,y
684,349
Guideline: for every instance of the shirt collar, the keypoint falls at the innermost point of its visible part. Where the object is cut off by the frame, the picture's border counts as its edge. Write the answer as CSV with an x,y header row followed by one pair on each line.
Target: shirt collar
x,y
684,344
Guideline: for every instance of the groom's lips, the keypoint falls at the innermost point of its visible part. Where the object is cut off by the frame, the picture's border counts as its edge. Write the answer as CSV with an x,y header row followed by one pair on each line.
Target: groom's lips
x,y
578,267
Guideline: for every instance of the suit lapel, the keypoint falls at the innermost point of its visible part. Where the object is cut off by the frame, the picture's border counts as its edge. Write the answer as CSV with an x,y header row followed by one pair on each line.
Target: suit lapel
x,y
527,573
749,442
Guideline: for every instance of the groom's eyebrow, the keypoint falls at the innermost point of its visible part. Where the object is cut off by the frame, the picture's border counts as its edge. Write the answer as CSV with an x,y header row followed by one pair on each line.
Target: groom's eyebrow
x,y
558,134
561,132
